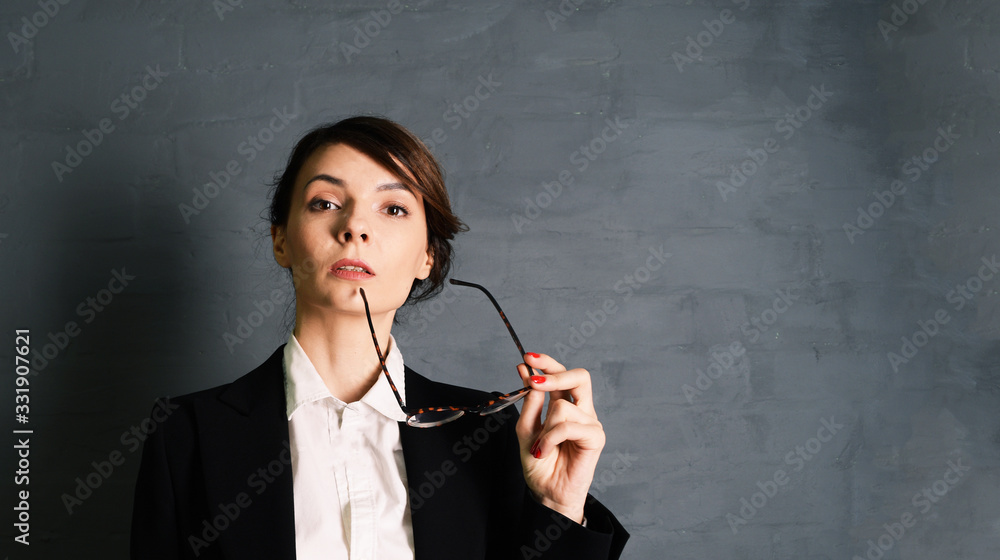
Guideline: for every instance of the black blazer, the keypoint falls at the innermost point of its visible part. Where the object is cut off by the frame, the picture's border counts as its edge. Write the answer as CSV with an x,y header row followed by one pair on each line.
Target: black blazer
x,y
216,481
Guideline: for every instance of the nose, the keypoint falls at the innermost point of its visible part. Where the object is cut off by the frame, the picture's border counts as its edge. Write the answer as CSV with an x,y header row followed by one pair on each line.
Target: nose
x,y
354,227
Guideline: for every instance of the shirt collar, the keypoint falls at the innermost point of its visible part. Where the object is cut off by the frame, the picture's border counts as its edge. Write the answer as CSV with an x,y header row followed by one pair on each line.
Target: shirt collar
x,y
304,385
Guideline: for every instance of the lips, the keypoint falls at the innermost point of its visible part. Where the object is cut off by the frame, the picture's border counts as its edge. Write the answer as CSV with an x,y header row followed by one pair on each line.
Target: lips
x,y
352,269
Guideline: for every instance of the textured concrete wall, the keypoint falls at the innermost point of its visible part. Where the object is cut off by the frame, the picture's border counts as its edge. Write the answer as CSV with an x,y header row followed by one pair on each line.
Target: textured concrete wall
x,y
768,229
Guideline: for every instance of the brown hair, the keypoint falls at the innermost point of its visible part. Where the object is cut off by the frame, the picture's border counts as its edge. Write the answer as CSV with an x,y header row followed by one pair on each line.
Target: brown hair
x,y
387,143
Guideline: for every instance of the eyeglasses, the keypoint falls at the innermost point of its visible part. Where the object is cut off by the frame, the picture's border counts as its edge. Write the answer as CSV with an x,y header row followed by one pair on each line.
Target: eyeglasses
x,y
436,415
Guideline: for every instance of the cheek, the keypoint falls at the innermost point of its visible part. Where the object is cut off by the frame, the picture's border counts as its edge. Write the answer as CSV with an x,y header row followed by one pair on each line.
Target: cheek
x,y
419,248
303,244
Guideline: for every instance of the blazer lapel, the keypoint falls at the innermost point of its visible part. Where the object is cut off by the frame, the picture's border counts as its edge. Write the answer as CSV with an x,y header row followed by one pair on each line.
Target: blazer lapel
x,y
446,502
248,476
420,447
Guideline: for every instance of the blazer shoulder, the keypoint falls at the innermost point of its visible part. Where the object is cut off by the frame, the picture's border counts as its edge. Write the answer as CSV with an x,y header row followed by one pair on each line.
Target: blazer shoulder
x,y
243,394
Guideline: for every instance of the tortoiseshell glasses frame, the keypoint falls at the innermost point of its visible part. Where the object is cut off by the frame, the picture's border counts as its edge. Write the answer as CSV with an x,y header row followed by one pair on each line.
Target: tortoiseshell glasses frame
x,y
429,417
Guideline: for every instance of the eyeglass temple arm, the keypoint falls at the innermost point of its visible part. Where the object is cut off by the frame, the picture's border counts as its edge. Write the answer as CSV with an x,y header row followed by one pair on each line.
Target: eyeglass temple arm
x,y
379,352
502,316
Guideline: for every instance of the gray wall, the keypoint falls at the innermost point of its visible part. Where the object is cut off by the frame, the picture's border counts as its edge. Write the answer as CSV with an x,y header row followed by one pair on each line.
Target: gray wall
x,y
745,335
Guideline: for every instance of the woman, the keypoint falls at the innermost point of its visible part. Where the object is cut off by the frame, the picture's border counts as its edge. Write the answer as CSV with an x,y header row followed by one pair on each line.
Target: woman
x,y
312,454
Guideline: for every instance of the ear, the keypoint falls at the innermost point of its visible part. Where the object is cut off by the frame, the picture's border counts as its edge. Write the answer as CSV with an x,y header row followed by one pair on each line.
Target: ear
x,y
278,241
427,265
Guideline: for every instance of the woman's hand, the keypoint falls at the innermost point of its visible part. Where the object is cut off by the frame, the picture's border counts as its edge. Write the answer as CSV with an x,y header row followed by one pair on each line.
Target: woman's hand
x,y
559,454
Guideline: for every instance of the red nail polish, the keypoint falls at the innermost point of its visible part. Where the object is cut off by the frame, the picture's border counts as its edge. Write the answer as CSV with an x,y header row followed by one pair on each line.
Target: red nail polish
x,y
538,453
537,379
534,355
534,448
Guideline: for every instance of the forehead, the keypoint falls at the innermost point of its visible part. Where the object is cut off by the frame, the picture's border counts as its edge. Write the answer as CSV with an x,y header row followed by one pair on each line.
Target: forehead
x,y
346,167
350,167
342,159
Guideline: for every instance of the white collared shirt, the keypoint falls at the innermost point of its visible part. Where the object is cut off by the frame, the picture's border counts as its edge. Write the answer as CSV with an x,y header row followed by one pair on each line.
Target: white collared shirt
x,y
348,474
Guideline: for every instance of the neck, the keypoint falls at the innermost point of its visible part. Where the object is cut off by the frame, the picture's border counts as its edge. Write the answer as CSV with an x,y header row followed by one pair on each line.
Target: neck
x,y
340,347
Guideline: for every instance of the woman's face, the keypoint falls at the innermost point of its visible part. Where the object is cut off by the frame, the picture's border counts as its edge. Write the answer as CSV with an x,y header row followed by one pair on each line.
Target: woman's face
x,y
352,224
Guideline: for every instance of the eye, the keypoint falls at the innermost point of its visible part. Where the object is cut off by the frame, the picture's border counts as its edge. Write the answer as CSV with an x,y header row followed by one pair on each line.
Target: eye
x,y
396,210
322,204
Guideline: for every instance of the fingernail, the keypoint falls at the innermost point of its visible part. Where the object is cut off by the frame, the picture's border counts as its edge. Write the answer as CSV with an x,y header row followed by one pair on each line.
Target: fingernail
x,y
533,355
537,379
534,447
535,451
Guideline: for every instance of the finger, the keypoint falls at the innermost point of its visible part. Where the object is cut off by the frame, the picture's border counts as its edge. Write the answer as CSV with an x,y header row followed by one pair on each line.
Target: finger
x,y
543,362
566,411
547,366
522,370
529,425
525,373
575,382
588,437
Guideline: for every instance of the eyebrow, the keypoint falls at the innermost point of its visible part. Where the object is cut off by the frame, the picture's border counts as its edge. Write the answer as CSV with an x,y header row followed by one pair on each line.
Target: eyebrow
x,y
396,185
